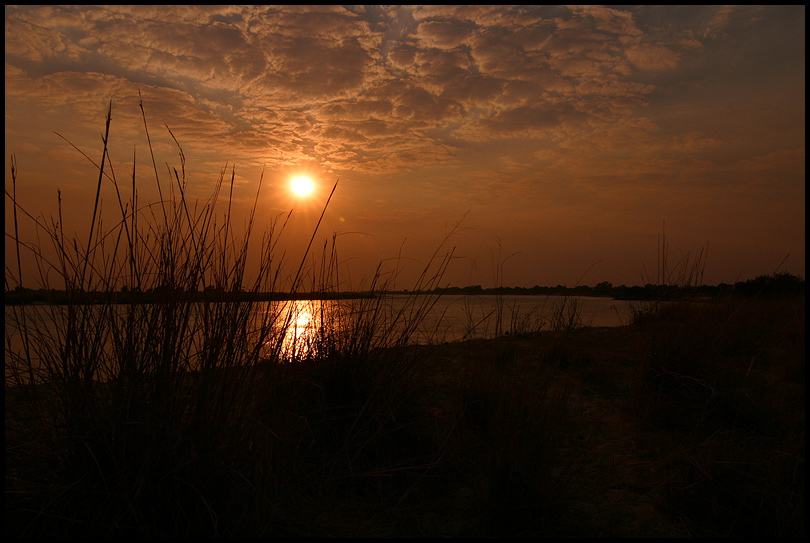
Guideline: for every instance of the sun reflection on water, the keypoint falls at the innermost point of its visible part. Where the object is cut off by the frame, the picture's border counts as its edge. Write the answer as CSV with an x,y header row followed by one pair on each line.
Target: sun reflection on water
x,y
301,323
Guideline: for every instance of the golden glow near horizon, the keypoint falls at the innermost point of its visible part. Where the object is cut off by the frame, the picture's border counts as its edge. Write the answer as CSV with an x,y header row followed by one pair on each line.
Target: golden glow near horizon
x,y
302,186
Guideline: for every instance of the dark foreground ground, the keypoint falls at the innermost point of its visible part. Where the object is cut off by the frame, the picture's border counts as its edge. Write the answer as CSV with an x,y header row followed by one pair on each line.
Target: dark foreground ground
x,y
688,424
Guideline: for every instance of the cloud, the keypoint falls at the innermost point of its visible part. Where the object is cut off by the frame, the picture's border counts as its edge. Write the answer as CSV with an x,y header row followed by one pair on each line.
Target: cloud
x,y
359,87
446,34
652,57
719,21
402,56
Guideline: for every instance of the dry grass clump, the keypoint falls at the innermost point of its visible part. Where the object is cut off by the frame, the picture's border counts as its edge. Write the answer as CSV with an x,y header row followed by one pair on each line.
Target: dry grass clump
x,y
719,395
721,384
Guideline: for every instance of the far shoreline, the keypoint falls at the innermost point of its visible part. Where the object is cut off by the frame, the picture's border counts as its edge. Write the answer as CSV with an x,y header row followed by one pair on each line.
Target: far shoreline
x,y
777,285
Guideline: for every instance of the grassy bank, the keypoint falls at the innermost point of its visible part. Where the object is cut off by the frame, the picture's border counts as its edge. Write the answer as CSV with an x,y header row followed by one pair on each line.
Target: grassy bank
x,y
565,433
720,391
185,418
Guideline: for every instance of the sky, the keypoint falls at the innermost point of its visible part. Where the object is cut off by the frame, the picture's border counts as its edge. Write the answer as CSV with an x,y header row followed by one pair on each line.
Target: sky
x,y
543,145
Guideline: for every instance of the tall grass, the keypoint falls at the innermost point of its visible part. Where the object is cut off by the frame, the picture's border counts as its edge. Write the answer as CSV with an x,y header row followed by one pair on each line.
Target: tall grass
x,y
720,389
185,417
147,416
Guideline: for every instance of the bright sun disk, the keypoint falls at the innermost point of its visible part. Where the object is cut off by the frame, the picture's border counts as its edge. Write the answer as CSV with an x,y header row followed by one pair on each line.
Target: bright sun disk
x,y
302,185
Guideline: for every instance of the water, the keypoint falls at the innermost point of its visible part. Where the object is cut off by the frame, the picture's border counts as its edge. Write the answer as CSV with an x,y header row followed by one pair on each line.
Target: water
x,y
297,326
455,318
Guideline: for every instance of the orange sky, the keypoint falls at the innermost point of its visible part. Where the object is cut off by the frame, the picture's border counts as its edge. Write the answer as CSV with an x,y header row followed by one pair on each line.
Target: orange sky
x,y
564,136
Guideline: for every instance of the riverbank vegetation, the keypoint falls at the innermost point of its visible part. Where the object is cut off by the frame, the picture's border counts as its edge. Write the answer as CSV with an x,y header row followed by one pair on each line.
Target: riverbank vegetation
x,y
776,285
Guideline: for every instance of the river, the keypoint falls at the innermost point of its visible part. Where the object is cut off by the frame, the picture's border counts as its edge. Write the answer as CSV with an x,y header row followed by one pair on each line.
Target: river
x,y
421,319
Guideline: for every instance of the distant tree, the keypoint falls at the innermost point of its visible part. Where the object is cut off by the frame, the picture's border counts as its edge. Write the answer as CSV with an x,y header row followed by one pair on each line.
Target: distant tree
x,y
779,285
605,287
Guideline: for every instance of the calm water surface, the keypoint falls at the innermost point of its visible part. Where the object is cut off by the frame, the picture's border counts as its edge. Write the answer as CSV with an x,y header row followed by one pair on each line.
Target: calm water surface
x,y
463,317
424,319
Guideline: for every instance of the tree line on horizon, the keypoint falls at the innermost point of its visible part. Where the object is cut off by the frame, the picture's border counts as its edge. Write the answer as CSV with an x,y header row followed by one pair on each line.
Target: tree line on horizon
x,y
777,285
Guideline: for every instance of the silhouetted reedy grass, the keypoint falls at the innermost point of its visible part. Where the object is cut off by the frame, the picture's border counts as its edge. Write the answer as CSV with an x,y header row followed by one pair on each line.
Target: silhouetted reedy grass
x,y
188,418
720,392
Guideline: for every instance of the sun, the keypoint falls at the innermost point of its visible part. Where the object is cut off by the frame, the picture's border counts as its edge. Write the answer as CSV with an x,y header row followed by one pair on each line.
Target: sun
x,y
302,185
